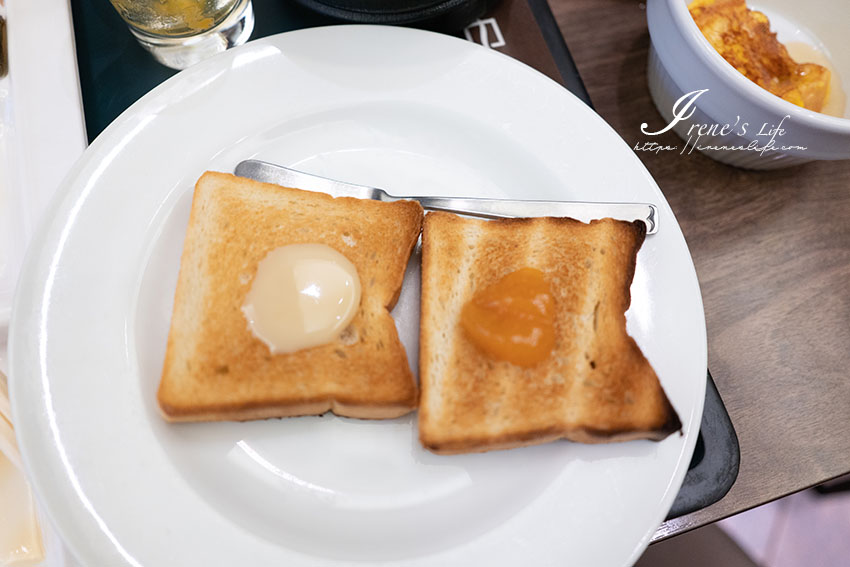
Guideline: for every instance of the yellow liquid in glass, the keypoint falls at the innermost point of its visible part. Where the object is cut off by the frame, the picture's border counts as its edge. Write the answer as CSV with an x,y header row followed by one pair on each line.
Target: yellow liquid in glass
x,y
174,18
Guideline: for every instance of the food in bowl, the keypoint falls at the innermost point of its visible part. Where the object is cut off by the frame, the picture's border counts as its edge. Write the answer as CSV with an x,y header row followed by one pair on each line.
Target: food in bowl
x,y
743,37
683,63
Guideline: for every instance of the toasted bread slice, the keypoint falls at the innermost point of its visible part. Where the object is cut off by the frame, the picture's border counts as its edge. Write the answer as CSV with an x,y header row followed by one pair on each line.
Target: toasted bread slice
x,y
595,386
215,369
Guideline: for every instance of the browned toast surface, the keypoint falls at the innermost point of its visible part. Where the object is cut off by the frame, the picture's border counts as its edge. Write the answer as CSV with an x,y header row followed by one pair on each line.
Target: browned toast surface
x,y
215,369
596,386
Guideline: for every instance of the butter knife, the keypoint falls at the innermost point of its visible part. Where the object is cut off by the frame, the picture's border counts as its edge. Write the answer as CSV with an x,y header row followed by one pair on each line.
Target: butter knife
x,y
486,208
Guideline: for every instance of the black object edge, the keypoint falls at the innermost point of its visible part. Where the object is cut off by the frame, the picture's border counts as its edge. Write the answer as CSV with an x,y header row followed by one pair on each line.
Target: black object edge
x,y
717,456
447,16
558,48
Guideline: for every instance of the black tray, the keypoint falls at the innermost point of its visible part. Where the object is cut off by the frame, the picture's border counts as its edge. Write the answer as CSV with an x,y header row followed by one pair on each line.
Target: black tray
x,y
115,72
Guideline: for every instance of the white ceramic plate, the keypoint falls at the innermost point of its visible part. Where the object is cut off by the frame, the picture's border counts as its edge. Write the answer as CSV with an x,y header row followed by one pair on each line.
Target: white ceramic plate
x,y
409,111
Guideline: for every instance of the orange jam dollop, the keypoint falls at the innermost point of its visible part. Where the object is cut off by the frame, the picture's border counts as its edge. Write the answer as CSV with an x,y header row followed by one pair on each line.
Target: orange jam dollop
x,y
513,319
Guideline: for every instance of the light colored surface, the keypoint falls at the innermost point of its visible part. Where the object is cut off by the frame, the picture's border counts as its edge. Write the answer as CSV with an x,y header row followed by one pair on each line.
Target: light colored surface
x,y
8,444
683,61
755,530
20,533
806,528
20,536
41,125
10,253
814,531
409,111
7,229
41,135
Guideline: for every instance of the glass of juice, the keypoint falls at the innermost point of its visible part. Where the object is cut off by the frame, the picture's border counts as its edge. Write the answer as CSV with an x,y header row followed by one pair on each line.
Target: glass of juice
x,y
179,33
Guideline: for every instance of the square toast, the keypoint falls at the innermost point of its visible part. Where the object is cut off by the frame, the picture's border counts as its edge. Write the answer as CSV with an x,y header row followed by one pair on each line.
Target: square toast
x,y
594,387
216,369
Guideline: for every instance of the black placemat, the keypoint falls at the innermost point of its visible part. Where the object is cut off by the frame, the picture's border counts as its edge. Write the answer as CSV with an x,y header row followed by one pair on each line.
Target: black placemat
x,y
115,72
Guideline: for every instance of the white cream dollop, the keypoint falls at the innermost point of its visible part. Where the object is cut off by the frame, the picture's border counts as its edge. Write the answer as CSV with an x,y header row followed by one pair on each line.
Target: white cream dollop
x,y
303,295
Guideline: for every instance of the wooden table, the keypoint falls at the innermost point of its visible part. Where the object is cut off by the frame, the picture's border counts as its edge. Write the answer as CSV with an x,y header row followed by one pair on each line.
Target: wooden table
x,y
772,253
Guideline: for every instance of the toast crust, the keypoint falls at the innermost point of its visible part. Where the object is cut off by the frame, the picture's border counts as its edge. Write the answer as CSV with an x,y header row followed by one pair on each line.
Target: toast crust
x,y
215,369
595,387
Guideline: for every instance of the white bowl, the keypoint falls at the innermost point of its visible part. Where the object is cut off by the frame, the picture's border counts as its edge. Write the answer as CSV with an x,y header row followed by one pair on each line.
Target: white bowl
x,y
682,61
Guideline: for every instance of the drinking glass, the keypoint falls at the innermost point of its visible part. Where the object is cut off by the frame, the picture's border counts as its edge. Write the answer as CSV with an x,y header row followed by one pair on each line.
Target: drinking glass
x,y
179,33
